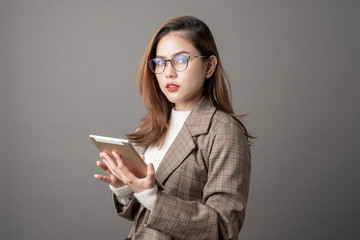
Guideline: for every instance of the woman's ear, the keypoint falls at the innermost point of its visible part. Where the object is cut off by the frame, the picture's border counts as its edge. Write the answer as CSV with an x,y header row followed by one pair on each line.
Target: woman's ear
x,y
211,66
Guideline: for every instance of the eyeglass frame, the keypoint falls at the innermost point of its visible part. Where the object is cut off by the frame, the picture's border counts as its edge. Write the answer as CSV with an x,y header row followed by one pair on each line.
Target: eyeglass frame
x,y
171,63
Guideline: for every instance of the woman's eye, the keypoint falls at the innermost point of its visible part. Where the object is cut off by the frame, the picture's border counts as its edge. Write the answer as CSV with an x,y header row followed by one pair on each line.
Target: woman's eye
x,y
159,61
180,59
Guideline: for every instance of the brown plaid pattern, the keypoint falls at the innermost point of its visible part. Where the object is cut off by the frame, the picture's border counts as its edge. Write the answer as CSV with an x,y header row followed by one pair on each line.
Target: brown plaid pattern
x,y
206,175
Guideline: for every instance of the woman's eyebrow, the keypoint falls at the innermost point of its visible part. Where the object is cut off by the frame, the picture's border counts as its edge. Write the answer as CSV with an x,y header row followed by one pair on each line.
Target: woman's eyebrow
x,y
175,54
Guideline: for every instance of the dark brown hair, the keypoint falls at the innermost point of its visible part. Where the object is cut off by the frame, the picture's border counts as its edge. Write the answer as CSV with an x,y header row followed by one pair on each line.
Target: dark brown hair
x,y
152,129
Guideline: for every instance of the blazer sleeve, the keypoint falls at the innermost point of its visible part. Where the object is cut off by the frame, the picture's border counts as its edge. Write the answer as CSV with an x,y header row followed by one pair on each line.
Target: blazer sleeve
x,y
127,211
221,213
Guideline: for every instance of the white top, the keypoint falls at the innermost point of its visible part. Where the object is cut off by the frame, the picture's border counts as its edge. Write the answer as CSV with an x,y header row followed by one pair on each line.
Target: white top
x,y
154,155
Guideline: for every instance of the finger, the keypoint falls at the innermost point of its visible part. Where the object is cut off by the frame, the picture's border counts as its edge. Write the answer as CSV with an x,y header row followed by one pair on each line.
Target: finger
x,y
126,175
102,155
114,171
105,155
122,167
103,167
119,170
102,178
151,173
109,161
117,157
108,165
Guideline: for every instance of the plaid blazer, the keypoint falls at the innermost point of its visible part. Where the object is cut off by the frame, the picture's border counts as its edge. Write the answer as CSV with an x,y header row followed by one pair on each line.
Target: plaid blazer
x,y
206,174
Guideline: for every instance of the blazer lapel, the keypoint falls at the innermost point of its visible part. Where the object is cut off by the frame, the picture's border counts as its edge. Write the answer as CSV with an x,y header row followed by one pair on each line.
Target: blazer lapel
x,y
197,123
178,151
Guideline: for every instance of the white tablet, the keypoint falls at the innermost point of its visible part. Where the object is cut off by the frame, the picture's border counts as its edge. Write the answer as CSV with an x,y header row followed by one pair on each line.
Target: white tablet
x,y
132,160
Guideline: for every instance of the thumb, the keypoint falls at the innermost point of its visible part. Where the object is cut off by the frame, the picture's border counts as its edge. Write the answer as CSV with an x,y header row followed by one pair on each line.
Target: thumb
x,y
151,172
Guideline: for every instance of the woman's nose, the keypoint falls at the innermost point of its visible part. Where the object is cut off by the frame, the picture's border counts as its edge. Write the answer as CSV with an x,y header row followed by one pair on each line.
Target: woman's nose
x,y
169,70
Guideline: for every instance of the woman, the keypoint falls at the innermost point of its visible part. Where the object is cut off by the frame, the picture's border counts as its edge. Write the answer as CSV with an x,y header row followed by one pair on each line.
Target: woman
x,y
190,137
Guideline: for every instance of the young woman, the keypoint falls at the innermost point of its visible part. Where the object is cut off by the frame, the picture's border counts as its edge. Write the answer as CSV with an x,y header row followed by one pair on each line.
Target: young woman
x,y
190,137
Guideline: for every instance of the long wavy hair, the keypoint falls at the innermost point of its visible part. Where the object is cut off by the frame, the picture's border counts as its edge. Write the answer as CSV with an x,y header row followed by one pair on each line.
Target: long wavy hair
x,y
153,128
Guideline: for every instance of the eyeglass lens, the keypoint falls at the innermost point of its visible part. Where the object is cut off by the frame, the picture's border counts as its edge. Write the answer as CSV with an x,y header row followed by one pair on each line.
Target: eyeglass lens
x,y
179,63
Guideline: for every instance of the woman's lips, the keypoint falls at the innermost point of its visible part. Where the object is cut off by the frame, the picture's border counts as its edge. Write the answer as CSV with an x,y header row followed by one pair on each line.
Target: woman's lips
x,y
171,87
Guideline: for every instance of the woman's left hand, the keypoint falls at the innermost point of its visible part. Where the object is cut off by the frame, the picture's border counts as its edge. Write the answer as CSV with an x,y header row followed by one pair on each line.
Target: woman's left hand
x,y
123,173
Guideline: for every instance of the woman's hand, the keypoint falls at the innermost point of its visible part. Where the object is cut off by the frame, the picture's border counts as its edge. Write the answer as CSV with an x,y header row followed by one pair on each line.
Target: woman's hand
x,y
112,179
121,172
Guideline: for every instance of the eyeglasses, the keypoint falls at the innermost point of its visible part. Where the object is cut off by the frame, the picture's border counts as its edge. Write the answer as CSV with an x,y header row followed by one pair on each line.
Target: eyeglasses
x,y
178,63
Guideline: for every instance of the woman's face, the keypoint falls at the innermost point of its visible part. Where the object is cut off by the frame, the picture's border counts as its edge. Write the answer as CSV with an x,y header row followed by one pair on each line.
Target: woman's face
x,y
184,89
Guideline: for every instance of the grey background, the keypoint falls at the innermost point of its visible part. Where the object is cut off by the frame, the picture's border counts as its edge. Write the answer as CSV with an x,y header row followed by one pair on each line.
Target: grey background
x,y
67,70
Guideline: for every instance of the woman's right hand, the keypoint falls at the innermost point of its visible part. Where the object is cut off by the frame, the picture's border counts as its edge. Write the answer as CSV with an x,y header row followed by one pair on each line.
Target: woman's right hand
x,y
111,179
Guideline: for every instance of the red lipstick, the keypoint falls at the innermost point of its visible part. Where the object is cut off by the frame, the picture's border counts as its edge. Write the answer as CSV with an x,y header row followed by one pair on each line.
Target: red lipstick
x,y
172,87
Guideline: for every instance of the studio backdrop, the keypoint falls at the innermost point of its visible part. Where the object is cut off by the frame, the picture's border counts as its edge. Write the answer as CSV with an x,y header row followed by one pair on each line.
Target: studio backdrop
x,y
67,70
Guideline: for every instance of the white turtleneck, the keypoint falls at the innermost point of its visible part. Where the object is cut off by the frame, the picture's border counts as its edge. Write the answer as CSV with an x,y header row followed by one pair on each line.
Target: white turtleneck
x,y
154,155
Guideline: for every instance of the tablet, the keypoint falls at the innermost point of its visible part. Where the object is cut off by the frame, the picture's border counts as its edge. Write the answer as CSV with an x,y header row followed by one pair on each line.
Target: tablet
x,y
131,158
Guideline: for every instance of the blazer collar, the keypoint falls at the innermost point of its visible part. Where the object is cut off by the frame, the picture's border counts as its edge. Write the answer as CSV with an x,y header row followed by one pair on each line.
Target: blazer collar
x,y
199,119
197,123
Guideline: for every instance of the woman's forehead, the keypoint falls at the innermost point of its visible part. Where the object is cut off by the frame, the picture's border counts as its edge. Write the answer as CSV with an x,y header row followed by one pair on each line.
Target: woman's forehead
x,y
173,44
